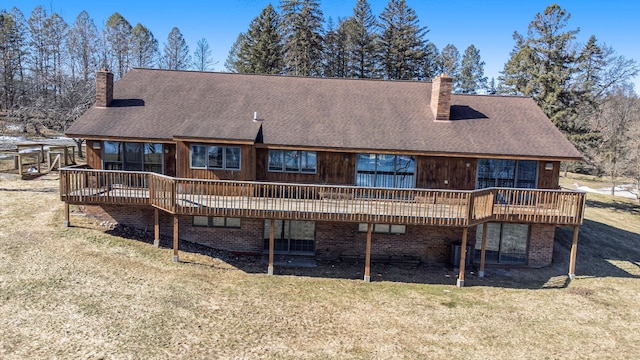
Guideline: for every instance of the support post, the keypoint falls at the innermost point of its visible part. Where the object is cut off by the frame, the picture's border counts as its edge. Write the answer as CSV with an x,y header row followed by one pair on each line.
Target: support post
x,y
271,246
483,251
66,215
463,258
156,228
367,255
574,251
175,238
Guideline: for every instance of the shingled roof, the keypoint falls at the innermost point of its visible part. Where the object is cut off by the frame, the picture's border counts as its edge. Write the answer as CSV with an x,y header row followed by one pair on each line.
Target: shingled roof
x,y
358,115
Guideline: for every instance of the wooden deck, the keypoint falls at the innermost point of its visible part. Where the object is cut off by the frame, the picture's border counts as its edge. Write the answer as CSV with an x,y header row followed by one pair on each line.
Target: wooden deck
x,y
321,202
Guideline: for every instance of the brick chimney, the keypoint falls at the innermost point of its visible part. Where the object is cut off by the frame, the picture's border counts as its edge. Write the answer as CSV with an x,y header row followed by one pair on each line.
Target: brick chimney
x,y
441,88
104,88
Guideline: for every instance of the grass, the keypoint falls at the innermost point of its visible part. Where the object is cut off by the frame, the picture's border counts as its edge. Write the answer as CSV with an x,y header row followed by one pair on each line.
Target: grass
x,y
80,292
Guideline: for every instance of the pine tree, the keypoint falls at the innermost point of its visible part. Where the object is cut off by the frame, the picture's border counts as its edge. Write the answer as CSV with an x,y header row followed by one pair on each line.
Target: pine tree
x,y
302,29
471,78
117,34
335,52
144,47
431,64
176,52
450,62
402,41
235,61
202,56
362,41
262,45
547,59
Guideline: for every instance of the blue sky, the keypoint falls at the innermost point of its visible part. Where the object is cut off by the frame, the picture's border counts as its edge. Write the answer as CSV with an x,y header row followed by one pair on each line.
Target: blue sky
x,y
488,24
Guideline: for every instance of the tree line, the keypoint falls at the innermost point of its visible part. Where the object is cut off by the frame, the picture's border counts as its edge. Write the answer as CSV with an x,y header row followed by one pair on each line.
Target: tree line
x,y
296,40
47,66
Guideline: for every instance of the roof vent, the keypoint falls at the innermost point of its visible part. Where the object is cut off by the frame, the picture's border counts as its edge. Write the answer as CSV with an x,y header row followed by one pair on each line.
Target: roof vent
x,y
441,97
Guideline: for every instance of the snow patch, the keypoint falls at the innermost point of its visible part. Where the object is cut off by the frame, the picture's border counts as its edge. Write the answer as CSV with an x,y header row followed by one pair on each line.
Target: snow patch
x,y
628,191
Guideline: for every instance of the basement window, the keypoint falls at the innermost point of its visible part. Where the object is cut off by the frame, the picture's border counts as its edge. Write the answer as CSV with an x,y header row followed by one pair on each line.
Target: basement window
x,y
216,221
384,228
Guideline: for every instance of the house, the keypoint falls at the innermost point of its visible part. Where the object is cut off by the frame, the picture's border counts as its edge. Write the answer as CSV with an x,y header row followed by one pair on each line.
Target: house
x,y
325,167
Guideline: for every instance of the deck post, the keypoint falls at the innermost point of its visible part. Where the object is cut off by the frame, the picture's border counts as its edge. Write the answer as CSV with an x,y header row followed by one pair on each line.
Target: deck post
x,y
175,238
156,228
574,251
483,251
367,255
66,215
271,246
463,258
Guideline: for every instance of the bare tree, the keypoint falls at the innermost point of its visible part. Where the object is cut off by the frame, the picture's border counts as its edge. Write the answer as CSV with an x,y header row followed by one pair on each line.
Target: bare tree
x,y
83,43
144,47
202,60
117,34
176,52
618,117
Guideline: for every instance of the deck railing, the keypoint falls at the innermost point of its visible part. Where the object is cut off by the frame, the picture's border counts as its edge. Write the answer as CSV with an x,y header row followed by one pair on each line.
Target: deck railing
x,y
321,202
81,185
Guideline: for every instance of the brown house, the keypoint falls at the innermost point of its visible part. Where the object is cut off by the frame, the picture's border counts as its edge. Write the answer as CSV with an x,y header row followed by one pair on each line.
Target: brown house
x,y
326,167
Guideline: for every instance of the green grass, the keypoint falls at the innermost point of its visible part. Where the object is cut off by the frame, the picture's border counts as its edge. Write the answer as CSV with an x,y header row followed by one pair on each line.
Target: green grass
x,y
81,293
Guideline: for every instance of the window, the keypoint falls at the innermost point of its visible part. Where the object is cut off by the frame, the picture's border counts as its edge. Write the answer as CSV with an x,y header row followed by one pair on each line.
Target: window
x,y
297,161
291,237
216,221
506,243
132,156
385,170
215,157
384,228
507,173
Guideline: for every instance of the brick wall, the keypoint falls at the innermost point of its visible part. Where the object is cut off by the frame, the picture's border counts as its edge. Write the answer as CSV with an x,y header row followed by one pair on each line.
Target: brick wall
x,y
541,245
333,239
430,244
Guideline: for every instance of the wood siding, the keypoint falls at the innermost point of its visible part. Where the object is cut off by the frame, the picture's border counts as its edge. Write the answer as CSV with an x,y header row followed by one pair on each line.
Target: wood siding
x,y
332,168
170,159
247,170
433,172
548,179
94,156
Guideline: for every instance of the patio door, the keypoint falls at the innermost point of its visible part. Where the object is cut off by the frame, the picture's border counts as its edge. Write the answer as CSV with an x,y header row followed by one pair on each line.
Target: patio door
x,y
291,237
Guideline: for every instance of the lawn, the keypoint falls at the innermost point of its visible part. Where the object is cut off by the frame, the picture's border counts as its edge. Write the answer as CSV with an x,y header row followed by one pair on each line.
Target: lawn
x,y
83,293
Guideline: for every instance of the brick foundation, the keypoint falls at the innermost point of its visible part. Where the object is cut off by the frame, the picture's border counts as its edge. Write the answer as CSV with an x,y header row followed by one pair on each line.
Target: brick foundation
x,y
541,245
333,239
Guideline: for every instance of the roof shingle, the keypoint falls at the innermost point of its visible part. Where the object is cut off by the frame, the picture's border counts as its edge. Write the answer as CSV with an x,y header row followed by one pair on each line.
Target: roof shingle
x,y
363,115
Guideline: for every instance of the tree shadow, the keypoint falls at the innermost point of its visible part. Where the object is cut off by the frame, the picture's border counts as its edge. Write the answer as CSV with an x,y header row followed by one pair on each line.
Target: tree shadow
x,y
615,205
